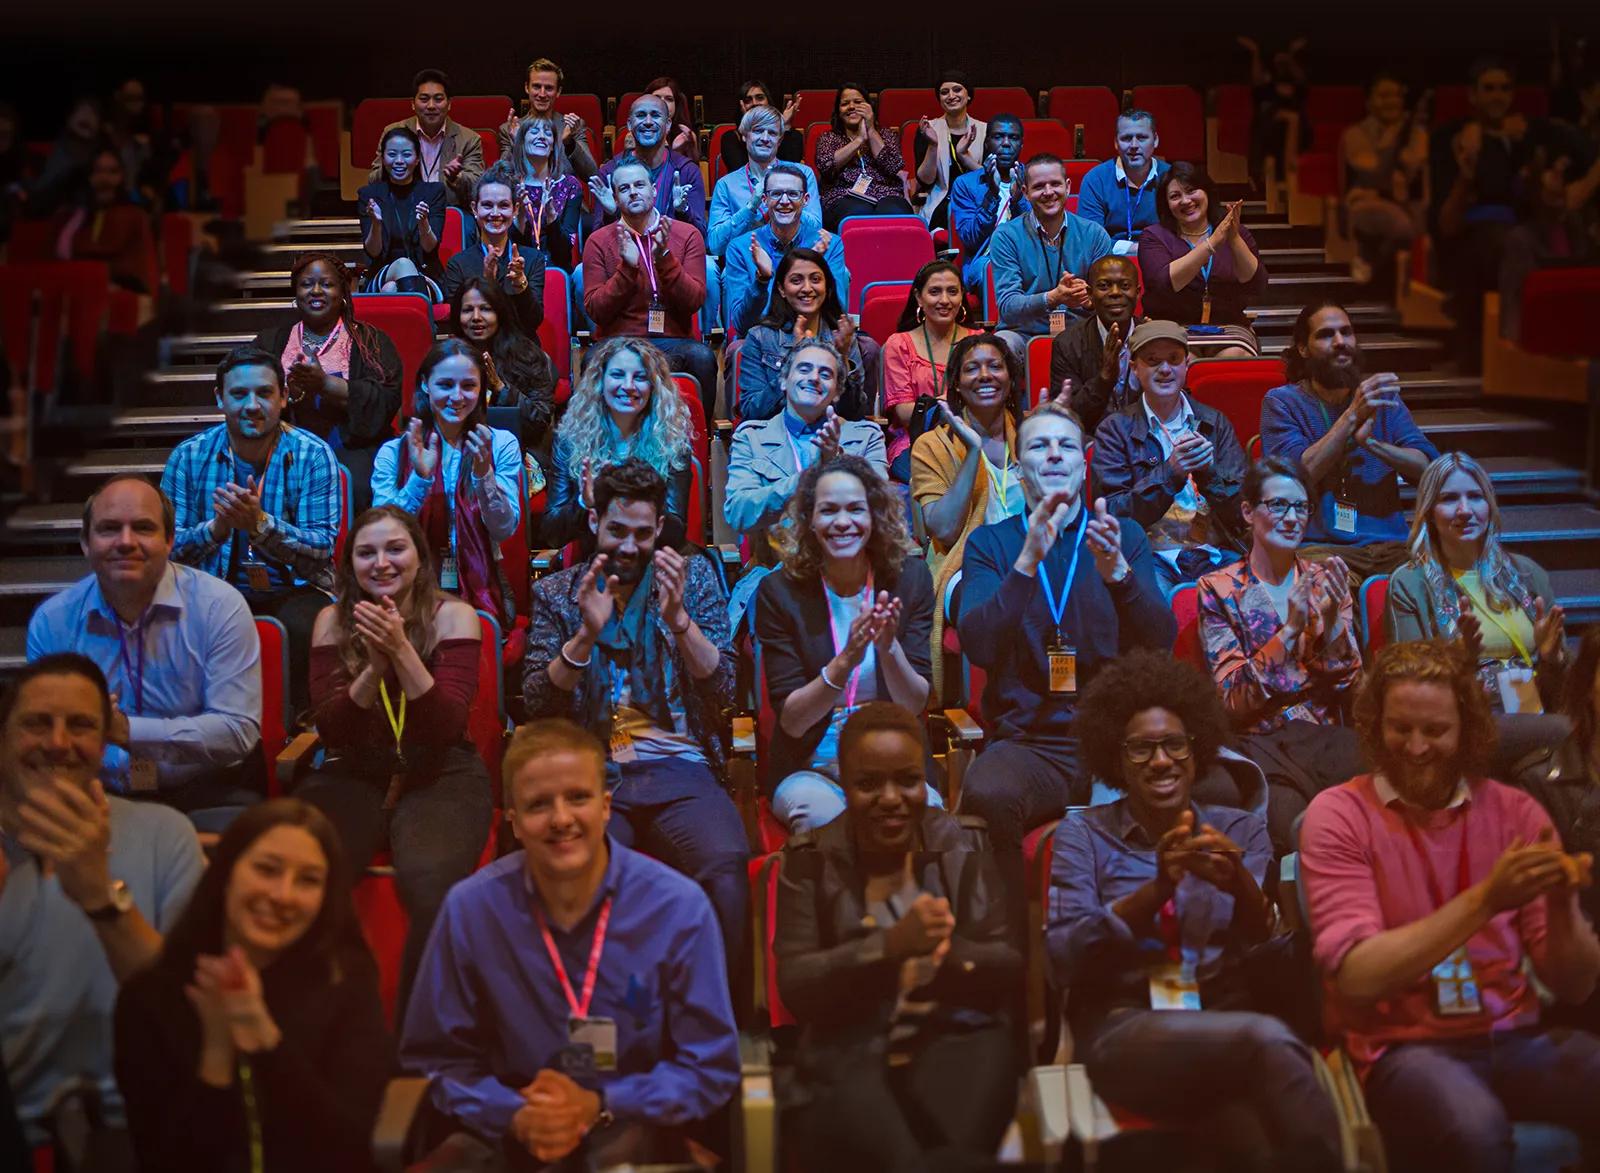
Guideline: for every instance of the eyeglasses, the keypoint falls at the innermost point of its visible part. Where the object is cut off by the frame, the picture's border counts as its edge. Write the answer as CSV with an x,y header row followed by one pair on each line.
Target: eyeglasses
x,y
1278,508
786,197
1140,750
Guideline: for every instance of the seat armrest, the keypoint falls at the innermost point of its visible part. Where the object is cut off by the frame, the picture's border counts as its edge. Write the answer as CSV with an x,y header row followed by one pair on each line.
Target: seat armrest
x,y
744,736
401,1099
962,727
544,561
294,759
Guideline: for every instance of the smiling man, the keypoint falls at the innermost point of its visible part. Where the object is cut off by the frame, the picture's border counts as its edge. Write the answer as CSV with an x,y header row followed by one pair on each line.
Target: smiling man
x,y
1434,890
1093,351
678,189
1120,194
615,1029
753,257
256,502
452,154
88,883
518,268
178,647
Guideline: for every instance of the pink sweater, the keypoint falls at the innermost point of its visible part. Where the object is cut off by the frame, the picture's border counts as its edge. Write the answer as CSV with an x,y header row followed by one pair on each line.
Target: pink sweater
x,y
1363,876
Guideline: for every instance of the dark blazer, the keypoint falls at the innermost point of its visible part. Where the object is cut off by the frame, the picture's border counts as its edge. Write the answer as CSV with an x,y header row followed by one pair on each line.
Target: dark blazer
x,y
1133,476
468,263
400,235
1560,778
796,637
374,388
1075,354
566,520
832,968
317,1093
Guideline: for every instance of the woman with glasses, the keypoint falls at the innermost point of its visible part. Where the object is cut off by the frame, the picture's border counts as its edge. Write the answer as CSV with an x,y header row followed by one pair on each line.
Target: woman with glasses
x,y
1279,631
1155,901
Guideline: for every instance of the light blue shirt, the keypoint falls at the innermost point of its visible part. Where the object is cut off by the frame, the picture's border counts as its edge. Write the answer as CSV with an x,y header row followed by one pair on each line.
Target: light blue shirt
x,y
1026,269
57,991
736,207
196,705
842,612
502,511
745,296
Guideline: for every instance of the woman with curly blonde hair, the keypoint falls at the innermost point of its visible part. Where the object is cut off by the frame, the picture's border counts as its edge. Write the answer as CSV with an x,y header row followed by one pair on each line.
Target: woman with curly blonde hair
x,y
848,620
625,404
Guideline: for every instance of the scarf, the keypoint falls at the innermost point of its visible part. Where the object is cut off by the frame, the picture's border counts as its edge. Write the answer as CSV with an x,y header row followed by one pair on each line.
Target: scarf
x,y
477,559
1444,595
334,356
630,643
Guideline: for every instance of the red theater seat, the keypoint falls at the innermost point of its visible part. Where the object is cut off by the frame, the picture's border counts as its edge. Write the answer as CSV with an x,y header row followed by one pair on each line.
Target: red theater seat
x,y
408,321
555,331
1180,120
1235,113
1374,597
988,101
1185,604
883,248
276,711
881,304
1045,136
1092,107
899,106
1236,387
1560,313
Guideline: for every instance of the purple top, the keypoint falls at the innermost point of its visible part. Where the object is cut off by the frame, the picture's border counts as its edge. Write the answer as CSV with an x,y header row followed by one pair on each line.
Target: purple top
x,y
1159,247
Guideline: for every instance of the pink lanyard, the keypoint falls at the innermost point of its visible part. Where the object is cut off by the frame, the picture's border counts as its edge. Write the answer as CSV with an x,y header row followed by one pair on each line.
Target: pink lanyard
x,y
580,1008
645,245
839,638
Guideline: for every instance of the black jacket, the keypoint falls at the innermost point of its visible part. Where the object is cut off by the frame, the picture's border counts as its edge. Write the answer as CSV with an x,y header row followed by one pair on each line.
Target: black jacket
x,y
529,303
566,520
1560,779
374,388
796,637
1075,354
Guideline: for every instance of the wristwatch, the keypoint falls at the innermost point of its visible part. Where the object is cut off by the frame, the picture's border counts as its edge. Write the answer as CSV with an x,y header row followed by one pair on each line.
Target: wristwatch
x,y
118,901
604,1119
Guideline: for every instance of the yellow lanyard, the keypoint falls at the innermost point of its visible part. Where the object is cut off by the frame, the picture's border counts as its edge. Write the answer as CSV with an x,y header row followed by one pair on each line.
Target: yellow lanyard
x,y
1002,483
397,724
1480,604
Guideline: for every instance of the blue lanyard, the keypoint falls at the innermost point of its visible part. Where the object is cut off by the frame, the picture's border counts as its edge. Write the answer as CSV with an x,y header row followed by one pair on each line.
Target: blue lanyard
x,y
1058,608
1134,195
127,666
1211,258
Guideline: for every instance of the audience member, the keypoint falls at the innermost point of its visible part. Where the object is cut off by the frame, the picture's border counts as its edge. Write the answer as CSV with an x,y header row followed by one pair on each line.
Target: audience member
x,y
1172,463
630,1037
1093,352
88,883
769,456
859,167
516,371
624,406
1120,194
982,200
964,472
636,643
1201,265
737,206
271,536
1039,646
128,126
1560,228
1036,258
108,226
543,84
1279,632
1437,896
206,176
516,269
1352,460
341,376
680,134
65,173
913,371
1155,905
460,478
645,276
676,188
947,147
805,304
258,1029
401,219
447,153
1278,95
893,954
753,95
1382,158
847,570
1462,581
178,646
752,257
547,195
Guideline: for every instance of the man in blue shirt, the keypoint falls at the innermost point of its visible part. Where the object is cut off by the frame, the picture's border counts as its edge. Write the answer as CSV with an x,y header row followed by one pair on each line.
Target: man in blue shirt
x,y
1040,259
1121,193
1354,439
680,188
177,645
257,502
982,200
573,993
753,257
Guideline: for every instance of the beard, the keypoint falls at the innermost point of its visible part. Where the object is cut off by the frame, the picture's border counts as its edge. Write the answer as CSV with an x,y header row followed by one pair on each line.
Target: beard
x,y
1430,788
1329,372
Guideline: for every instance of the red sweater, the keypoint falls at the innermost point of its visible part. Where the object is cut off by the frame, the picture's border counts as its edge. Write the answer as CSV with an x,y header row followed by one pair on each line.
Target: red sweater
x,y
617,297
436,719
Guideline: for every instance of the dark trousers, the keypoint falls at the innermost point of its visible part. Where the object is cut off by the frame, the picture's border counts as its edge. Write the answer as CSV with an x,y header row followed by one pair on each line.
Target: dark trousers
x,y
358,462
1203,1069
297,609
1449,1106
677,812
856,206
697,359
945,1110
435,832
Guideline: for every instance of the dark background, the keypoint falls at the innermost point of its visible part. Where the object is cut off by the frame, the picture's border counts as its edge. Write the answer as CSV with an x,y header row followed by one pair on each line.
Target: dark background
x,y
229,52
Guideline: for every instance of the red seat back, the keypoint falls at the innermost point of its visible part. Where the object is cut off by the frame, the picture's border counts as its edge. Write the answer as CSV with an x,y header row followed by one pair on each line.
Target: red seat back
x,y
555,331
1045,136
275,706
479,111
1038,371
1185,604
367,123
515,560
283,150
883,248
1236,113
454,238
899,106
814,133
48,306
881,305
1341,104
1180,120
486,720
718,133
689,391
988,101
766,902
491,146
1236,387
179,241
816,105
325,120
346,512
1092,107
1560,309
408,321
589,108
1374,597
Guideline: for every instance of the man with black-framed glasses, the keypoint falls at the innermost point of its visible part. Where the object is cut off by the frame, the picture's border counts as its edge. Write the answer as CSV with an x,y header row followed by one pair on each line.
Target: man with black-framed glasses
x,y
752,258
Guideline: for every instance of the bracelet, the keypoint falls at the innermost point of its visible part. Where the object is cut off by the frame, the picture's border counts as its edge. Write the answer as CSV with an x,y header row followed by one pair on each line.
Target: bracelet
x,y
829,683
573,664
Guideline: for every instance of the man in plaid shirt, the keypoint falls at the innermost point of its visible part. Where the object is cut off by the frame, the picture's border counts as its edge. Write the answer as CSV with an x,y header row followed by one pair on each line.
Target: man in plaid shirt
x,y
258,503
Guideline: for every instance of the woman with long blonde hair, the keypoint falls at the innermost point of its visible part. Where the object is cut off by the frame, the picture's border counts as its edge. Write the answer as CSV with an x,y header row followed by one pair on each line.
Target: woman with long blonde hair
x,y
625,404
548,196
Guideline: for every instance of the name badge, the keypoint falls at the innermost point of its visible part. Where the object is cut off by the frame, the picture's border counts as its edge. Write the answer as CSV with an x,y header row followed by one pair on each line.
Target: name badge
x,y
1205,310
1063,669
142,776
1518,692
1173,986
657,319
598,1036
622,746
255,573
862,183
1344,517
1455,987
449,573
1058,322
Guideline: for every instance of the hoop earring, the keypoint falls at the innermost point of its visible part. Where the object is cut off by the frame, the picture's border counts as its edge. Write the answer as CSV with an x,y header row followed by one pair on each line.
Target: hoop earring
x,y
919,313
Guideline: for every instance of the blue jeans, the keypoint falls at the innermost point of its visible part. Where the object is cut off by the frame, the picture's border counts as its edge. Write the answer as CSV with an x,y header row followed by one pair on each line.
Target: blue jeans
x,y
1449,1106
676,811
808,799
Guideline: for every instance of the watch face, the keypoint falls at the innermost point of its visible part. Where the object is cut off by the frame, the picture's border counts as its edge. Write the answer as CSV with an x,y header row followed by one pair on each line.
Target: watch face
x,y
121,898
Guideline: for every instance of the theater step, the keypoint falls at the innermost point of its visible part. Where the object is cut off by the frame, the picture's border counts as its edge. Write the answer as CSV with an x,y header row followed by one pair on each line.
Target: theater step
x,y
190,349
283,254
1578,592
1364,315
27,582
1383,351
148,423
1522,478
1297,289
1557,537
245,315
1484,431
316,228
